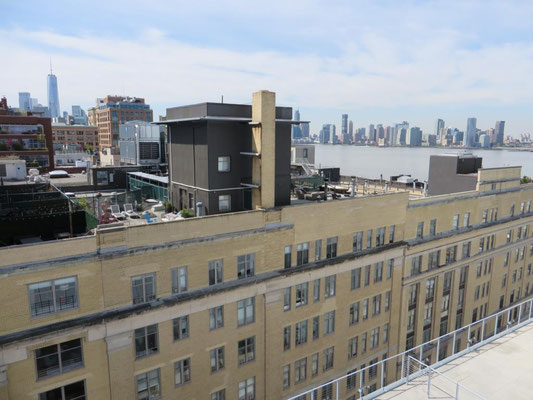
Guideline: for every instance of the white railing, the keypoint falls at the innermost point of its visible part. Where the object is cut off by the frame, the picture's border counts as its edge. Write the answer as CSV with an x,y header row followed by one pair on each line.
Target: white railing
x,y
378,378
443,388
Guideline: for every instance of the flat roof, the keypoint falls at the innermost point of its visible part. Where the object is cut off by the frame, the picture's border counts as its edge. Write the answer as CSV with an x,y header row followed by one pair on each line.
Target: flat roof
x,y
501,369
157,178
224,119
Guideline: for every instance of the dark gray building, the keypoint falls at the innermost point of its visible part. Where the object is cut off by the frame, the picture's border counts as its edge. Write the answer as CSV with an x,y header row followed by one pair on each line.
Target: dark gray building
x,y
499,132
452,173
211,156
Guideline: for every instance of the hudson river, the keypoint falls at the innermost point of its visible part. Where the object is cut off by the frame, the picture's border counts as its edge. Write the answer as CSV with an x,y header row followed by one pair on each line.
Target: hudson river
x,y
370,162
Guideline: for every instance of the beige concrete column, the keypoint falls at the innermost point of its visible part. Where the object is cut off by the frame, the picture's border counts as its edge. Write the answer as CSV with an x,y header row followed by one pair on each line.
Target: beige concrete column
x,y
264,142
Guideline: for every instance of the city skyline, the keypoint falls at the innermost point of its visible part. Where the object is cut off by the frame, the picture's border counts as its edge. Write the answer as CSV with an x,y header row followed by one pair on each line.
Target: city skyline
x,y
431,65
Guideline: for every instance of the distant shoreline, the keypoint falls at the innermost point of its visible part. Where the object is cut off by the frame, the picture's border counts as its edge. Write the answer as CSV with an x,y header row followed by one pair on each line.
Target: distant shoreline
x,y
528,149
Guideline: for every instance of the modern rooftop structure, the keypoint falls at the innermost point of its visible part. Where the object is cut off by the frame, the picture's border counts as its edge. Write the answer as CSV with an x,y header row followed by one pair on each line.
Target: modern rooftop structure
x,y
53,95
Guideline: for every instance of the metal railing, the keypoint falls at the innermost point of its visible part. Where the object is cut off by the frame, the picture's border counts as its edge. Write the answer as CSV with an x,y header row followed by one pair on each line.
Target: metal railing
x,y
445,388
394,371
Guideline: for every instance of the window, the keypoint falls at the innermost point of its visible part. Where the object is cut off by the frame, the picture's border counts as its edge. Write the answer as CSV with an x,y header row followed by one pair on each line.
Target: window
x,y
376,305
149,385
316,327
146,341
224,202
451,254
367,275
365,309
216,317
300,333
387,301
182,371
316,290
329,286
287,338
181,327
428,315
300,370
447,282
286,376
413,291
354,313
420,230
433,259
224,164
369,239
356,278
318,249
245,265
432,227
415,265
392,229
245,311
363,343
352,347
485,215
247,389
287,299
314,364
390,267
331,248
217,359
327,358
302,254
466,219
53,296
329,322
288,255
357,241
430,289
179,280
374,338
74,391
506,260
220,395
455,224
466,250
378,272
386,333
215,272
246,350
301,294
411,315
512,210
59,358
380,236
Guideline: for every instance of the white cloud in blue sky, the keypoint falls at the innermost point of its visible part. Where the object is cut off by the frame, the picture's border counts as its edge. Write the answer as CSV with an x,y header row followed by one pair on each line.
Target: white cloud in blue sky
x,y
378,61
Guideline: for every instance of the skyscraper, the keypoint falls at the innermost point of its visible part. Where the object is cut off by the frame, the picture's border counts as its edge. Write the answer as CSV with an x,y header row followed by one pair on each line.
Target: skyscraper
x,y
439,129
25,101
350,128
53,95
344,128
296,130
499,132
470,135
400,133
371,133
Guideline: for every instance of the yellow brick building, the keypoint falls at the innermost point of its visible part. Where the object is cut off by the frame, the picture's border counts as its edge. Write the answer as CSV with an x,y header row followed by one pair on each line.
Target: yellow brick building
x,y
261,304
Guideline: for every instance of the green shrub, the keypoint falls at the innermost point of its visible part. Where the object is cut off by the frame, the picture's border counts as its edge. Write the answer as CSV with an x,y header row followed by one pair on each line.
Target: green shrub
x,y
186,213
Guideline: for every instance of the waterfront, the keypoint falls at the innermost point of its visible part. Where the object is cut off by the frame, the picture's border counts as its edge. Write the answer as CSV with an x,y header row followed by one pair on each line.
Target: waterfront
x,y
370,162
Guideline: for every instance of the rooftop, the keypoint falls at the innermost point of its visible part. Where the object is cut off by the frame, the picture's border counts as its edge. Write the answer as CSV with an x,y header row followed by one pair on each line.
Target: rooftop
x,y
501,369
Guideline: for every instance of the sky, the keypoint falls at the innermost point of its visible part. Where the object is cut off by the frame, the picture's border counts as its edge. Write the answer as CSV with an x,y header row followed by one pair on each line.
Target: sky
x,y
378,61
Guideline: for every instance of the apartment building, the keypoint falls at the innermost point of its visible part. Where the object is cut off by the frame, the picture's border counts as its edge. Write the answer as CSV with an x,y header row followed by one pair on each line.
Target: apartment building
x,y
259,304
111,111
81,136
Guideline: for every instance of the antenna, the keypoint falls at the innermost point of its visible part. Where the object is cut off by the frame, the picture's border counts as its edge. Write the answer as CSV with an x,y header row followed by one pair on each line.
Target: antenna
x,y
50,65
222,100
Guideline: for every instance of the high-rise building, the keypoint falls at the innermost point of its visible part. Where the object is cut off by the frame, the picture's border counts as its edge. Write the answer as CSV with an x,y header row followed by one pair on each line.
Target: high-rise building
x,y
414,138
326,133
25,101
344,127
439,129
111,111
470,134
499,132
371,134
305,129
350,128
53,95
296,131
400,133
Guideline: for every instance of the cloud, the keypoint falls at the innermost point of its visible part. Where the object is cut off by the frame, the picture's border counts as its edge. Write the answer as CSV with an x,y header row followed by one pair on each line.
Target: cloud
x,y
381,57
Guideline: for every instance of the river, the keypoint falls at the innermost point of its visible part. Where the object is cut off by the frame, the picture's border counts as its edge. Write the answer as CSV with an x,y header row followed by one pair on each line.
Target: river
x,y
370,162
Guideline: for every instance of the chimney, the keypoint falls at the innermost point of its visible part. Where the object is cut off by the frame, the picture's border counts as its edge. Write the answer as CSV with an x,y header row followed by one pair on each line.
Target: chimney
x,y
264,143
